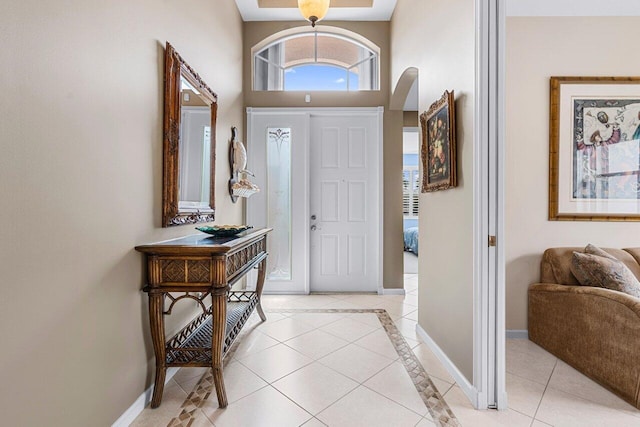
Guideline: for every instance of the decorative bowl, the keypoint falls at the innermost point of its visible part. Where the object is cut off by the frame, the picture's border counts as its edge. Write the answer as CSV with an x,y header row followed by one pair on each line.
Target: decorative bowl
x,y
224,230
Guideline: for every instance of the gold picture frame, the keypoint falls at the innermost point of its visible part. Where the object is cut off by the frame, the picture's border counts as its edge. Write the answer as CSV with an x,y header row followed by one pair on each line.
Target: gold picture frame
x,y
594,149
438,151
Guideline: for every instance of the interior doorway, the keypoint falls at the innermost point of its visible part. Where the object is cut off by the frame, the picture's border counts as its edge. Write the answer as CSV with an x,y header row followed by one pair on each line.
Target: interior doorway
x,y
487,388
405,98
410,198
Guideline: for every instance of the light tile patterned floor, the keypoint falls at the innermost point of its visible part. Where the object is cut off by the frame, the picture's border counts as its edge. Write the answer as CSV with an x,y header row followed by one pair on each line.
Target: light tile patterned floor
x,y
339,363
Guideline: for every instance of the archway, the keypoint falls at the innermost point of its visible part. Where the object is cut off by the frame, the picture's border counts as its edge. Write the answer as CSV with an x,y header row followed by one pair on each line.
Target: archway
x,y
406,91
405,99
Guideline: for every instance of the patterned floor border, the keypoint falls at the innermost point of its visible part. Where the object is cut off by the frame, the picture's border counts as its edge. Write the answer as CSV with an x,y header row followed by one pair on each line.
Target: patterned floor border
x,y
433,400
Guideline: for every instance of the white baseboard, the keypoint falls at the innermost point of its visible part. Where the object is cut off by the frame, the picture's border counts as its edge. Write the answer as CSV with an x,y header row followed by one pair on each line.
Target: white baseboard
x,y
518,334
469,390
391,291
141,402
284,293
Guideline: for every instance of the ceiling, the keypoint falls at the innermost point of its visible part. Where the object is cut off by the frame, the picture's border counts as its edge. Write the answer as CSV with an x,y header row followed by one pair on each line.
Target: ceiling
x,y
340,10
334,3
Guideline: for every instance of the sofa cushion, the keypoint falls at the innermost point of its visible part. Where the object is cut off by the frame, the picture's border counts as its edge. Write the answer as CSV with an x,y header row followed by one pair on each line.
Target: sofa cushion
x,y
635,253
597,268
556,266
556,263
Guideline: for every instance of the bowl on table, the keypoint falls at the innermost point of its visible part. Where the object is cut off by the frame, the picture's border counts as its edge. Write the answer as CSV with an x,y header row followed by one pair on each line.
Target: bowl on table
x,y
223,230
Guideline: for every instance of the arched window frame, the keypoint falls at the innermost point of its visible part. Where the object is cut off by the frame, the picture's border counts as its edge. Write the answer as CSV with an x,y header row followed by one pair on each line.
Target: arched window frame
x,y
276,82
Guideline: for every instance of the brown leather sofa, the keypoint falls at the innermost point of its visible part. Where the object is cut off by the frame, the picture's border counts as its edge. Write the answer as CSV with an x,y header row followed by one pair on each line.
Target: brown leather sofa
x,y
595,330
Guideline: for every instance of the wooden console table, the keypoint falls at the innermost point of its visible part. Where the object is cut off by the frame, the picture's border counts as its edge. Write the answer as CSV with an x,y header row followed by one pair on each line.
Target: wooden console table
x,y
195,267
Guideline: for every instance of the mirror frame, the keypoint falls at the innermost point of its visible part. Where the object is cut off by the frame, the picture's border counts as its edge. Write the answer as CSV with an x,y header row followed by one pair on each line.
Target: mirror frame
x,y
175,67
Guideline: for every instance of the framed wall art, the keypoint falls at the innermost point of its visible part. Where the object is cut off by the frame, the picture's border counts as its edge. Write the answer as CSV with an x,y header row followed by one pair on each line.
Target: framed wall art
x,y
594,149
438,150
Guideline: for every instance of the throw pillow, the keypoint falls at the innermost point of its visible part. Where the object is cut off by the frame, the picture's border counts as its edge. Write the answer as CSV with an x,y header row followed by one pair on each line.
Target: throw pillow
x,y
604,271
594,250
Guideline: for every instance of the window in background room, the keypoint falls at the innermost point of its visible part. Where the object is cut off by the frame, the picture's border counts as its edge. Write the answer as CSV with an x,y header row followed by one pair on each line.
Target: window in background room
x,y
410,177
410,190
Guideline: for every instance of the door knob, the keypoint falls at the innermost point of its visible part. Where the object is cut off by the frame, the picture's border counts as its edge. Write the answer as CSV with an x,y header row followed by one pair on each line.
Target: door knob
x,y
313,217
314,228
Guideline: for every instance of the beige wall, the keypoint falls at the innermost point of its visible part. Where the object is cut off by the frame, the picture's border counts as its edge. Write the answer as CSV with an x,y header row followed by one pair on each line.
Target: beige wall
x,y
81,176
438,38
538,48
378,33
411,118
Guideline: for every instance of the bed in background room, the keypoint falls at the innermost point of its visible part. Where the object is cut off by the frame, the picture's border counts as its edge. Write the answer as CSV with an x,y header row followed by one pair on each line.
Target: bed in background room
x,y
411,239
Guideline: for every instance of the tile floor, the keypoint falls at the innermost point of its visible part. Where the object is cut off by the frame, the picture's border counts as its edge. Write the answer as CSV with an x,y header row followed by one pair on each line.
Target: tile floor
x,y
342,369
410,261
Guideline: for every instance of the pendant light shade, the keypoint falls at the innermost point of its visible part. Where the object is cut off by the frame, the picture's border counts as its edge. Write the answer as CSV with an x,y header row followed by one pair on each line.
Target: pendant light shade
x,y
313,10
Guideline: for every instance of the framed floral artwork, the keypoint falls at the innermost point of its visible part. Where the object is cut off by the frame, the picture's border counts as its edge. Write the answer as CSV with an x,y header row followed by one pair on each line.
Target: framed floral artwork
x,y
438,151
594,149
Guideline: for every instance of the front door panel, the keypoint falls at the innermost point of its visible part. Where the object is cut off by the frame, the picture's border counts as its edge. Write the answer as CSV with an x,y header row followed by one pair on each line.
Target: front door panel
x,y
278,156
345,203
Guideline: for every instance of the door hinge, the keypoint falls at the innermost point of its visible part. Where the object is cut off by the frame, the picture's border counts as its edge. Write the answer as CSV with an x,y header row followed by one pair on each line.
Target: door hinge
x,y
492,241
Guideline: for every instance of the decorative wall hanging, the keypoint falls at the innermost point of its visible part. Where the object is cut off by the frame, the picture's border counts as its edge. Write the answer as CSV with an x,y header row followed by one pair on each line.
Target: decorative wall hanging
x,y
239,184
594,149
438,150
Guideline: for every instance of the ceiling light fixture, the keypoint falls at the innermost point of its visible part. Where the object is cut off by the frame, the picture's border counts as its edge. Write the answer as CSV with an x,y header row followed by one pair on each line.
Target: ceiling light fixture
x,y
313,10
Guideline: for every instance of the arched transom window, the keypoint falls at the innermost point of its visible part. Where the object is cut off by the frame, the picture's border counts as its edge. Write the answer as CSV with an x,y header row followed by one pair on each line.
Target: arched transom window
x,y
310,60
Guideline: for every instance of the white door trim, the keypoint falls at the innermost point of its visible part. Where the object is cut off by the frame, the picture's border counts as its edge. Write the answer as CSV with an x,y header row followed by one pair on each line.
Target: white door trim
x,y
378,112
489,288
480,217
501,295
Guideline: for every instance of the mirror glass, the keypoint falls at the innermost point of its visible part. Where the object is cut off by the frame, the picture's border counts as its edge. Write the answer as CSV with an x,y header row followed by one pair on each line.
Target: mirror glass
x,y
190,109
195,148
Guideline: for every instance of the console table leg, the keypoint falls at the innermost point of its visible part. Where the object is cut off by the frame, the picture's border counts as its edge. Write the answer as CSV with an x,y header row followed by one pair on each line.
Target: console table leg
x,y
259,286
156,320
219,323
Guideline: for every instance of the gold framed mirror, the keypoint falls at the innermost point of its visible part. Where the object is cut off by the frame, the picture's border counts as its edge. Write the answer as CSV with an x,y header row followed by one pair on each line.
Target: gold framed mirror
x,y
190,111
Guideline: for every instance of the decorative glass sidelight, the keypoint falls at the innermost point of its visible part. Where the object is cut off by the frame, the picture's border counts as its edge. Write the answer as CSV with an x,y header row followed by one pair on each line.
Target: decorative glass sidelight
x,y
279,203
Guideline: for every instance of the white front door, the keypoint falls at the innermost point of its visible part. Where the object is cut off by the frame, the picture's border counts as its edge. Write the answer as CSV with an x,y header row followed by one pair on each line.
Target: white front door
x,y
345,202
320,178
